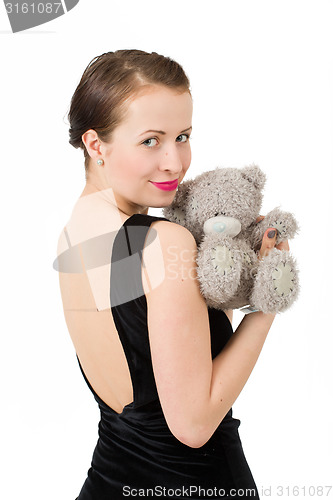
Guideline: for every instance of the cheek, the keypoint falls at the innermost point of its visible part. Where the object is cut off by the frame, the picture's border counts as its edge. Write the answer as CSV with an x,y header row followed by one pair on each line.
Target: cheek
x,y
126,163
136,166
142,163
186,159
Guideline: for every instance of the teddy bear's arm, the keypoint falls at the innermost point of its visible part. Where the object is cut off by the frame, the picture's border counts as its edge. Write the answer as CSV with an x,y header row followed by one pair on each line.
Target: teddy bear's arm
x,y
284,222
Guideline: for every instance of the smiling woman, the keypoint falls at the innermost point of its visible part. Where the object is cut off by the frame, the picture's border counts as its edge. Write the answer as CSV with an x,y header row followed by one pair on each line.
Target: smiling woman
x,y
131,73
135,168
163,368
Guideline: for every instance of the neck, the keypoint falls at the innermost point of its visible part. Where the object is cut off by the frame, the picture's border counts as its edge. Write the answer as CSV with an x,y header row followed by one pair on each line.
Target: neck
x,y
110,198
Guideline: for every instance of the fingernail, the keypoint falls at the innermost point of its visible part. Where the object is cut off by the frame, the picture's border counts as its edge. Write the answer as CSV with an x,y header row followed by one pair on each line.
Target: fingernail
x,y
271,233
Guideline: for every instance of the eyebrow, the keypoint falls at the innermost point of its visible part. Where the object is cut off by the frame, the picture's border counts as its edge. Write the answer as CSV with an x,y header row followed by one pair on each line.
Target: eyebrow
x,y
162,132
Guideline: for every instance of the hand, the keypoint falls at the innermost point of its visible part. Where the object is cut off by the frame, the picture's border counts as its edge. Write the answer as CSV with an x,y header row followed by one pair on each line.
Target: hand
x,y
269,241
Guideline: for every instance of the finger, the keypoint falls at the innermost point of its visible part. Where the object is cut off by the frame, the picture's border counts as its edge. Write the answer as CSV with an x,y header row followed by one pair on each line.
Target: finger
x,y
268,242
284,245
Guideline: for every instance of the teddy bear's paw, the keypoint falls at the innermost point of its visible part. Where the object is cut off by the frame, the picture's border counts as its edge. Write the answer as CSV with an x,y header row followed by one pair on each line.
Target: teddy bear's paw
x,y
284,279
284,222
219,267
222,259
281,227
276,285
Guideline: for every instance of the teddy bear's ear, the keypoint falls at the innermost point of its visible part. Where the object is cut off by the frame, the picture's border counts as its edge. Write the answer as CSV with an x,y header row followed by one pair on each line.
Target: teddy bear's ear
x,y
254,174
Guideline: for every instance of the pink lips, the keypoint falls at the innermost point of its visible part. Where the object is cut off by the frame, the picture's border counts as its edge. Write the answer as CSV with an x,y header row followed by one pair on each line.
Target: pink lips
x,y
166,186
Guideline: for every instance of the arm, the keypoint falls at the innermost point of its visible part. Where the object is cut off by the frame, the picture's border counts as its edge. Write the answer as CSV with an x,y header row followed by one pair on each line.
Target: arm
x,y
230,314
195,392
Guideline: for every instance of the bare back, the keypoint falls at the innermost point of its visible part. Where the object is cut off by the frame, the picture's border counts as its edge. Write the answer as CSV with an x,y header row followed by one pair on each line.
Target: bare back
x,y
89,233
85,280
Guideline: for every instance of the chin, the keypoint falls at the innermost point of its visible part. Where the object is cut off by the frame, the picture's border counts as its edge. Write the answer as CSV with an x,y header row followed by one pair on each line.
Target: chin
x,y
165,203
160,205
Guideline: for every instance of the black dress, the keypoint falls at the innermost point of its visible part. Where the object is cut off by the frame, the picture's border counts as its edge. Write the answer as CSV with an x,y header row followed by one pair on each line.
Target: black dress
x,y
136,453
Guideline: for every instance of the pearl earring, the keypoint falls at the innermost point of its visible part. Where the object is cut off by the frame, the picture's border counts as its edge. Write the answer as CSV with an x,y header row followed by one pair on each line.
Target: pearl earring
x,y
100,162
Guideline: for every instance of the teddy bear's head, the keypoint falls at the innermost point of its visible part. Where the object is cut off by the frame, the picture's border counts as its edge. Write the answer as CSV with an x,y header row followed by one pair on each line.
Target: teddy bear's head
x,y
218,194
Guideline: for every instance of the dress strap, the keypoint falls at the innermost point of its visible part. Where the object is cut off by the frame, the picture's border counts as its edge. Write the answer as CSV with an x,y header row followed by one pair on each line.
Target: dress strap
x,y
126,259
129,305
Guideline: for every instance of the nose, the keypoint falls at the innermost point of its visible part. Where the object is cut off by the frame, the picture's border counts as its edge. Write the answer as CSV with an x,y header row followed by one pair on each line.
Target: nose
x,y
172,160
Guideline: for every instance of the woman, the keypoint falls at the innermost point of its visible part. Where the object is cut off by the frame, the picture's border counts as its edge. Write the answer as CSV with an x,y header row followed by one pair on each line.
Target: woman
x,y
164,369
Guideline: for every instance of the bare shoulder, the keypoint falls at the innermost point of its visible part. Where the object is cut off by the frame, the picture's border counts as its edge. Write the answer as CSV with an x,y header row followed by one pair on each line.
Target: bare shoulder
x,y
169,249
168,227
170,233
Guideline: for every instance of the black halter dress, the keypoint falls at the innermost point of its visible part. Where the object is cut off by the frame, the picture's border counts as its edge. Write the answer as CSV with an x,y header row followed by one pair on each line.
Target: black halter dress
x,y
136,453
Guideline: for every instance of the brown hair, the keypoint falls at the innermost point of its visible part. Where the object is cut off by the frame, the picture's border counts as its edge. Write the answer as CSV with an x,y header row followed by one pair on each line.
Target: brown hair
x,y
107,85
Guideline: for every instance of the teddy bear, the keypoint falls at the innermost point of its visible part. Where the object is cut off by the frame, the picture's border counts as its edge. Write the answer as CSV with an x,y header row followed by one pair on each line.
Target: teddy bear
x,y
221,208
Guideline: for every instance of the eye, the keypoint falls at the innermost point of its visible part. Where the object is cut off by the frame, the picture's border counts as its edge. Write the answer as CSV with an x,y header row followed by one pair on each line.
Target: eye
x,y
184,138
147,140
187,137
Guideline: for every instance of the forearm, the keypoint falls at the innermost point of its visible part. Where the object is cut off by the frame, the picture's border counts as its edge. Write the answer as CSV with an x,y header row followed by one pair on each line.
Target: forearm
x,y
234,364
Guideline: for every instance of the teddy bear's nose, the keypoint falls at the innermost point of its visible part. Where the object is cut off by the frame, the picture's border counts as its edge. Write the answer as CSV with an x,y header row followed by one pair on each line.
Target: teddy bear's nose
x,y
226,226
219,227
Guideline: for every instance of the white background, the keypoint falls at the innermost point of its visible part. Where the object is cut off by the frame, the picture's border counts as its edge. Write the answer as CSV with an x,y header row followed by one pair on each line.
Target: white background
x,y
261,76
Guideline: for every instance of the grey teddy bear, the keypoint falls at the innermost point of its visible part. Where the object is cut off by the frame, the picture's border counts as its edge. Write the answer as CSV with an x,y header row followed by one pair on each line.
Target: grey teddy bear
x,y
220,208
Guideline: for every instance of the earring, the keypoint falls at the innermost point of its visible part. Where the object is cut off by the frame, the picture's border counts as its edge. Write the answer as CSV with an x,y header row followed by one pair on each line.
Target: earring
x,y
100,162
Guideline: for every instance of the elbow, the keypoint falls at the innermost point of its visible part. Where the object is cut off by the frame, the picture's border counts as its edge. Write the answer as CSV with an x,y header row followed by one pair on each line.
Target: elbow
x,y
192,428
192,436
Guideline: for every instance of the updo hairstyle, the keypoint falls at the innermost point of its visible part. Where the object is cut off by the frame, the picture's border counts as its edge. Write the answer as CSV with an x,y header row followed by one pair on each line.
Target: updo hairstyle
x,y
107,86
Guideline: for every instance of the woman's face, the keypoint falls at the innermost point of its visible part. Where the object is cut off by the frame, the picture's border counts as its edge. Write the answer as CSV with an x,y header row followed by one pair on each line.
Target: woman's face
x,y
150,145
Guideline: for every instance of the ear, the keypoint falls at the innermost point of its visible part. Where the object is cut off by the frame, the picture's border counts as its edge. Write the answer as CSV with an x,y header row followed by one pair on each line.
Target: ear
x,y
254,174
92,143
